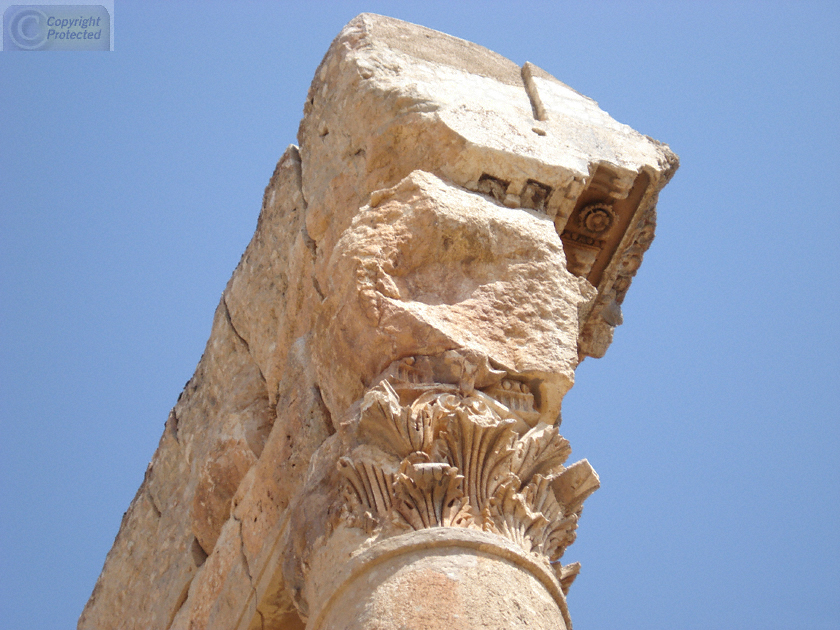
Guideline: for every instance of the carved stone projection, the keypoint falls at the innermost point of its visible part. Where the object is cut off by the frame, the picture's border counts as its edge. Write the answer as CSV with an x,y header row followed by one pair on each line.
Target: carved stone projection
x,y
370,439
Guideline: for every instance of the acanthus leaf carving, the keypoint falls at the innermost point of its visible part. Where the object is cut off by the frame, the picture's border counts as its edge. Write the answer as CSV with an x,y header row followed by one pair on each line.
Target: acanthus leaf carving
x,y
540,451
367,486
508,514
447,458
431,495
562,525
401,429
481,446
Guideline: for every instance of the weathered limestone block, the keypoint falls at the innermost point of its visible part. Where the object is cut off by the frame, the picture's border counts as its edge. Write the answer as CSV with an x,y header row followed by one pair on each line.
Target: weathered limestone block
x,y
173,522
216,434
432,268
371,437
426,101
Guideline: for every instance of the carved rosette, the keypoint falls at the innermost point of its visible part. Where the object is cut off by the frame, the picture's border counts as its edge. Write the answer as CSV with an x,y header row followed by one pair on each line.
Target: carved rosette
x,y
437,456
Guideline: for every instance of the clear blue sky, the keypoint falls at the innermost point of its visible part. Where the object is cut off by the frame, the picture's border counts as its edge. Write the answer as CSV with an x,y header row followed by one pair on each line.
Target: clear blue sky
x,y
130,184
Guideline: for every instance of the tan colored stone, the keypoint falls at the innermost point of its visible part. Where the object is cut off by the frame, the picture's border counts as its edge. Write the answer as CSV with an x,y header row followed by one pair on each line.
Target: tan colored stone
x,y
218,480
457,229
433,268
225,405
457,110
433,579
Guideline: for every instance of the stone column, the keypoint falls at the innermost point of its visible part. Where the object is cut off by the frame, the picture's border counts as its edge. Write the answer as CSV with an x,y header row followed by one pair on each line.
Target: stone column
x,y
371,439
446,480
501,218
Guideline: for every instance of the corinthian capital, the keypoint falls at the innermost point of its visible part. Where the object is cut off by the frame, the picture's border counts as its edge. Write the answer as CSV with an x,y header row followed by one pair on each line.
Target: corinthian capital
x,y
425,449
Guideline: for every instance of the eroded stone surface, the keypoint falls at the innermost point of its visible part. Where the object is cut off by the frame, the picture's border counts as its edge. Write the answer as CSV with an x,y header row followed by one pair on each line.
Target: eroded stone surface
x,y
451,223
432,268
450,587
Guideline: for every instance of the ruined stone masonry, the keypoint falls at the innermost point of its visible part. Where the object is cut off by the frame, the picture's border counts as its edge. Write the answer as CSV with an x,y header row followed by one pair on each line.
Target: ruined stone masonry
x,y
370,439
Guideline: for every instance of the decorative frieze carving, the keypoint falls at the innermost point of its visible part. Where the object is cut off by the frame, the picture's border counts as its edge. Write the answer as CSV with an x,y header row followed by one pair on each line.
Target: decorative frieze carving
x,y
596,218
530,194
439,455
535,195
631,256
